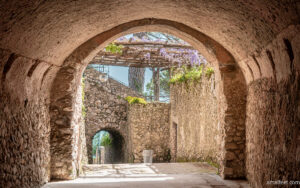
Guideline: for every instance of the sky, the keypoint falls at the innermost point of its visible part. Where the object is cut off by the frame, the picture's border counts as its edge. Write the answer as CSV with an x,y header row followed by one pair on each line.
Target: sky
x,y
121,74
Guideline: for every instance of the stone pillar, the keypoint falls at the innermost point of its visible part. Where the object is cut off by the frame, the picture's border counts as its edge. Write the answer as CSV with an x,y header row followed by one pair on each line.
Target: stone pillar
x,y
155,78
102,154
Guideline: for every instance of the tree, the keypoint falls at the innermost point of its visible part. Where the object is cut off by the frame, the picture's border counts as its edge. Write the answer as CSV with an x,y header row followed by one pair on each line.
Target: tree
x,y
136,78
106,140
163,84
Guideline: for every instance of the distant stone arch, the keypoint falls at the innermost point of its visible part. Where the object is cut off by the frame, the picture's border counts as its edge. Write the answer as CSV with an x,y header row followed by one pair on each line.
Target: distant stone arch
x,y
118,146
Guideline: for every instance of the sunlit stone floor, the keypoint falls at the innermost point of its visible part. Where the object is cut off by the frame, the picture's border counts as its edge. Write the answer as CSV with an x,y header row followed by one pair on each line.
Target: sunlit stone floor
x,y
177,175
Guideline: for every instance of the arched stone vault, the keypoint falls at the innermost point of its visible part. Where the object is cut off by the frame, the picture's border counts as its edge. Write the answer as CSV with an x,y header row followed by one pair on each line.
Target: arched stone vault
x,y
37,38
232,91
63,26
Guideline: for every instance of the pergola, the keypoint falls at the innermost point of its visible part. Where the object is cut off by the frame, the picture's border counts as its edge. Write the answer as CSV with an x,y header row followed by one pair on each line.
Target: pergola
x,y
158,55
144,54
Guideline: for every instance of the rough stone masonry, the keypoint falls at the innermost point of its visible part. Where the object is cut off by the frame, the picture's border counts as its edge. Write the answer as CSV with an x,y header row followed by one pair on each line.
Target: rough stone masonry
x,y
45,46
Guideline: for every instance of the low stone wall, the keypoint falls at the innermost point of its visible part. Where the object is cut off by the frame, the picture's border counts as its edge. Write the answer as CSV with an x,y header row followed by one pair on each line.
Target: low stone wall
x,y
194,121
149,129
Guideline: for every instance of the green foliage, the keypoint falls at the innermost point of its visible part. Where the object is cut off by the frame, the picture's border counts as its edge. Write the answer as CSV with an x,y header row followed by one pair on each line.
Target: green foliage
x,y
209,71
106,140
187,74
113,48
135,100
190,74
83,109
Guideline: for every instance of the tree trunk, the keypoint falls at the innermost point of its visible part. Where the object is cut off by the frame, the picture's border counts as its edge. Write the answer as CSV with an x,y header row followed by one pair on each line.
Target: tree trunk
x,y
136,79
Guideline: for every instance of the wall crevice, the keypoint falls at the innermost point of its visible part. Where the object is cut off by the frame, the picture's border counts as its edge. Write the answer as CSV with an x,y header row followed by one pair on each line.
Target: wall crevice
x,y
32,68
257,64
8,65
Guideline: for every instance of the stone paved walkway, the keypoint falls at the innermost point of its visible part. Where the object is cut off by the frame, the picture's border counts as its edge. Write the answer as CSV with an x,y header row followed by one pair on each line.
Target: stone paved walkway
x,y
159,175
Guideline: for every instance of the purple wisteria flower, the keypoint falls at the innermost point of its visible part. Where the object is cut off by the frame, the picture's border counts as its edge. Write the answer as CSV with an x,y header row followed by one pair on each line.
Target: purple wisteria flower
x,y
147,56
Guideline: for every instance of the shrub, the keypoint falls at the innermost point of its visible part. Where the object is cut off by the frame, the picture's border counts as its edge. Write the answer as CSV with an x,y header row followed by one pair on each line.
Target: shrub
x,y
179,77
135,100
187,74
106,141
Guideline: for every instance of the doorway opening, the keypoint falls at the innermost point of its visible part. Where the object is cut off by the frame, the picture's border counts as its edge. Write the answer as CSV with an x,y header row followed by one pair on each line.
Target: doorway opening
x,y
108,147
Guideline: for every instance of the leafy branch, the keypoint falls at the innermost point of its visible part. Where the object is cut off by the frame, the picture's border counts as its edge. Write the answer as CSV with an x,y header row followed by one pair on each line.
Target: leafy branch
x,y
113,48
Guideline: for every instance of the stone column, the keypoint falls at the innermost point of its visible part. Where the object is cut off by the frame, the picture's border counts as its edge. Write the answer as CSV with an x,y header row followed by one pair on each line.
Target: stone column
x,y
156,83
102,154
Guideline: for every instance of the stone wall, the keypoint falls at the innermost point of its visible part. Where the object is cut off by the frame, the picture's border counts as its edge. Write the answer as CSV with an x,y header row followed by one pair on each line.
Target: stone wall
x,y
273,112
273,131
80,150
149,129
194,113
105,108
24,121
82,157
24,144
65,115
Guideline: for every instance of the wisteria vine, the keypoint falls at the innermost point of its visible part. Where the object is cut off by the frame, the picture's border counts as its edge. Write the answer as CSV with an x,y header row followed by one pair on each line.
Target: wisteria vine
x,y
177,56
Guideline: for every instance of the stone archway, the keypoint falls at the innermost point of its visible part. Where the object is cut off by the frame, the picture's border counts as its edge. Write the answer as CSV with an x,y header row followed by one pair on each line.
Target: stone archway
x,y
118,146
37,36
232,92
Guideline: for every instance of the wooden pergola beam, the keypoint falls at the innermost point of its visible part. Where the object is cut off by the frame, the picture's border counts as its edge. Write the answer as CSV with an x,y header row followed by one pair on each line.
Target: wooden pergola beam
x,y
152,44
134,54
